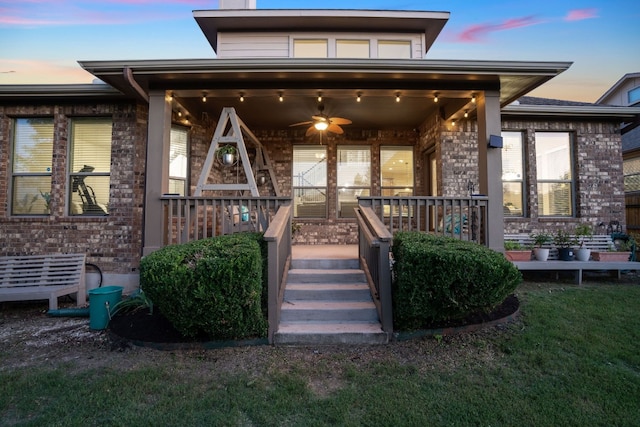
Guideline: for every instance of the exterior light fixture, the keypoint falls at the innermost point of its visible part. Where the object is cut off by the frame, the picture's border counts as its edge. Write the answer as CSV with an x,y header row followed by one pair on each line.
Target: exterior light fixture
x,y
319,96
397,97
473,98
171,97
241,97
466,113
179,113
435,98
321,125
453,122
359,97
204,97
280,97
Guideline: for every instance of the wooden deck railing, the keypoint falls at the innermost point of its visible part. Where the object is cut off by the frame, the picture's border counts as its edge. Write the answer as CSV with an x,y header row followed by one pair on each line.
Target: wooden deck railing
x,y
278,238
461,218
194,218
374,246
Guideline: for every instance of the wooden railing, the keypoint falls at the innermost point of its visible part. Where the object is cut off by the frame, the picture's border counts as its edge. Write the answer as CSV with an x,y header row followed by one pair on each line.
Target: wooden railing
x,y
374,253
195,218
278,238
461,218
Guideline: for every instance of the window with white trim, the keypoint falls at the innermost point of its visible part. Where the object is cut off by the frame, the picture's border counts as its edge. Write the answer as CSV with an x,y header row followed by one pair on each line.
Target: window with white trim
x,y
512,174
178,164
394,49
310,181
89,166
354,178
396,173
310,48
554,174
31,166
352,49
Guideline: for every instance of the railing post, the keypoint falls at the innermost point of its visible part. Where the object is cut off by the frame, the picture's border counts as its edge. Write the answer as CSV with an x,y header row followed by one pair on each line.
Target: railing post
x,y
384,277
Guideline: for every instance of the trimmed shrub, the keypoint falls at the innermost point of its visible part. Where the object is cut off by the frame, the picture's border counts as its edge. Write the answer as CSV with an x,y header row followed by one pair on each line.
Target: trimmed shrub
x,y
209,288
440,278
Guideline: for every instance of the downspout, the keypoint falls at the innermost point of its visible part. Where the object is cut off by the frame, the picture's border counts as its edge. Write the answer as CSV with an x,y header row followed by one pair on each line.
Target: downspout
x,y
128,76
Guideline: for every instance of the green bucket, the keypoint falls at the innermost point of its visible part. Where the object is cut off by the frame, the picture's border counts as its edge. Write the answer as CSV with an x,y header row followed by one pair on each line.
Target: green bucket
x,y
101,303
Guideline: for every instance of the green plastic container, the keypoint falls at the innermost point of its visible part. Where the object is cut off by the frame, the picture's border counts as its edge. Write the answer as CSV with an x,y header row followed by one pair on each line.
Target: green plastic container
x,y
101,303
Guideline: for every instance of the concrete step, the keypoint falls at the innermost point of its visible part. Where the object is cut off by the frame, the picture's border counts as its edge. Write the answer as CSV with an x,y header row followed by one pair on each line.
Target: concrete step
x,y
325,263
327,292
328,333
333,311
301,275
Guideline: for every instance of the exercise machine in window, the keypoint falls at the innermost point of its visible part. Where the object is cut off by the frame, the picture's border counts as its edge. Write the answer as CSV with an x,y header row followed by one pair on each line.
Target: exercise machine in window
x,y
90,204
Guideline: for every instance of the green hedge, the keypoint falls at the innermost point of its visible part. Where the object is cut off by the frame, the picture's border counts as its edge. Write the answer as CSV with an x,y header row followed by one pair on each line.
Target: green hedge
x,y
210,288
439,278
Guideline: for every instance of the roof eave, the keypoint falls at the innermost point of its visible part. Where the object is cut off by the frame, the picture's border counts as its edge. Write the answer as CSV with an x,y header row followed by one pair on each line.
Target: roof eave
x,y
595,111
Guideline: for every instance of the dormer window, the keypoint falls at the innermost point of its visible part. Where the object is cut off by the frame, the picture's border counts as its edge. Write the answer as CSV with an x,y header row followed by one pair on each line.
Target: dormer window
x,y
394,49
310,48
383,46
352,49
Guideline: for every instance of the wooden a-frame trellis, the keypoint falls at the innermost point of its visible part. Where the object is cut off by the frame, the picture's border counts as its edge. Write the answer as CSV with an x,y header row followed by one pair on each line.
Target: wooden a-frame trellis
x,y
230,130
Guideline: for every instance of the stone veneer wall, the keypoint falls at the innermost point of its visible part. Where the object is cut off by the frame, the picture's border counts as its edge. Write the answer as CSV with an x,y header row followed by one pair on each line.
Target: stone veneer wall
x,y
597,157
114,242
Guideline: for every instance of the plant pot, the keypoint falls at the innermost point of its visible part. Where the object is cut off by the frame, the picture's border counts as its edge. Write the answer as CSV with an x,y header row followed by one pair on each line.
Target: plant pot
x,y
228,159
565,254
518,255
611,256
541,253
583,254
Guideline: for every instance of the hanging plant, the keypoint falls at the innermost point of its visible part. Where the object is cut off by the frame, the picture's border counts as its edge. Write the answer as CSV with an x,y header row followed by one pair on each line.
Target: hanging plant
x,y
226,154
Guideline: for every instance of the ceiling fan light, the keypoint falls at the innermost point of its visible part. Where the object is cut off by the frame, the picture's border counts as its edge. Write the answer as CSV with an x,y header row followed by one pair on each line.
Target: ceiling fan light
x,y
321,125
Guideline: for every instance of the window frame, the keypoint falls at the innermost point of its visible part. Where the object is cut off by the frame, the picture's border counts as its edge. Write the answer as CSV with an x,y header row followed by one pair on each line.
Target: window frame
x,y
355,188
14,174
185,179
74,177
297,189
572,182
373,39
522,180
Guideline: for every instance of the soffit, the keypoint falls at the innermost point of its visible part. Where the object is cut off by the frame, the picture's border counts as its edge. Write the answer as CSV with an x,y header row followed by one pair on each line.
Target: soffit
x,y
330,21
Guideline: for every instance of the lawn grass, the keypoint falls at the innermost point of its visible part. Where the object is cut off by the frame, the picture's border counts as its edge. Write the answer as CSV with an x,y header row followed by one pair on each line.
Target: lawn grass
x,y
572,360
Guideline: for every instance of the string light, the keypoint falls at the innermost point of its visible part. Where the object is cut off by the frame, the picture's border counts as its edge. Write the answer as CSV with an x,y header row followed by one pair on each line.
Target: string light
x,y
473,98
359,97
204,97
397,97
319,96
241,97
466,113
435,98
280,97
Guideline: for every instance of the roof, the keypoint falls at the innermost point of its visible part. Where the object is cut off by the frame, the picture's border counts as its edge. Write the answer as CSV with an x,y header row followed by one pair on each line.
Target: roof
x,y
544,107
616,86
326,20
60,92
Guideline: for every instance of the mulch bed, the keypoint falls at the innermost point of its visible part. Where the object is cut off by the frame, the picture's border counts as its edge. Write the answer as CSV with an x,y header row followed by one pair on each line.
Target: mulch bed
x,y
141,326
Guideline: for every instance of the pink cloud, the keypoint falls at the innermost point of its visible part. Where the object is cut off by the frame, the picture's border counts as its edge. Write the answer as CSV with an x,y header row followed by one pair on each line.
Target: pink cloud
x,y
25,71
580,14
478,32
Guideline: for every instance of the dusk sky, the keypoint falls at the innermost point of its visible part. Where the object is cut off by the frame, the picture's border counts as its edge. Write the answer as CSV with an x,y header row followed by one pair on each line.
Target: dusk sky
x,y
42,40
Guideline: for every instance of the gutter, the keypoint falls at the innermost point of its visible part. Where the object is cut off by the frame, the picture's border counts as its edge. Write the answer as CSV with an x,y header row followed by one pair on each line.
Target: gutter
x,y
128,77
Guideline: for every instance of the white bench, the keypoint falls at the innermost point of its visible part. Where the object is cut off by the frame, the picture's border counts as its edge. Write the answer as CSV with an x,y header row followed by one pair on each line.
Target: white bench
x,y
37,277
599,242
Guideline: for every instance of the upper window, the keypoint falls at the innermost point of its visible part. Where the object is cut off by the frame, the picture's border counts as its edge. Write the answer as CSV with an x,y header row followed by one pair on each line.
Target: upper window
x,y
90,166
554,173
634,95
310,48
631,170
394,49
352,49
178,161
354,178
31,166
512,174
310,181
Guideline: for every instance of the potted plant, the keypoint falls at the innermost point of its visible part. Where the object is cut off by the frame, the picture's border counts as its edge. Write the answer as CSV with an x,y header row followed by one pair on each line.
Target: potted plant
x,y
540,239
564,241
618,251
226,154
583,234
515,251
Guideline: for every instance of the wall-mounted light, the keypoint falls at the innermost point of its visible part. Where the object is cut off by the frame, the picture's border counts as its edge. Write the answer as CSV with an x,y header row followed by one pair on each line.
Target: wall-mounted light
x,y
280,97
241,97
473,98
319,96
435,98
398,97
359,97
321,125
204,96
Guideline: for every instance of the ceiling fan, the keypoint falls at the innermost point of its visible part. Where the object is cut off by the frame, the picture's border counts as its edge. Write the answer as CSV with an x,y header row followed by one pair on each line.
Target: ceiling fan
x,y
323,122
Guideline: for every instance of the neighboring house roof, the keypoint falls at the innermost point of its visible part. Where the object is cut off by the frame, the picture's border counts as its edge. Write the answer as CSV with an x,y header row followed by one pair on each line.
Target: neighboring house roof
x,y
544,107
328,21
612,91
631,140
50,92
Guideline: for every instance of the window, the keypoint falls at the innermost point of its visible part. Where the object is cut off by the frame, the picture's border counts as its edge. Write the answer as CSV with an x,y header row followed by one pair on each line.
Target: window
x,y
354,178
631,170
634,95
394,49
308,48
512,174
396,171
309,182
178,161
90,166
31,166
352,49
554,173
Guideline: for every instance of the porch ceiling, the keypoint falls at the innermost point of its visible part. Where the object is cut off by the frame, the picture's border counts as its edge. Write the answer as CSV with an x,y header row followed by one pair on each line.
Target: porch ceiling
x,y
339,81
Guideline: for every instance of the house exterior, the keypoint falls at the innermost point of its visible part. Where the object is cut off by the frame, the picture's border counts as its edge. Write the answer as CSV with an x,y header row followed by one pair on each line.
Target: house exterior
x,y
86,168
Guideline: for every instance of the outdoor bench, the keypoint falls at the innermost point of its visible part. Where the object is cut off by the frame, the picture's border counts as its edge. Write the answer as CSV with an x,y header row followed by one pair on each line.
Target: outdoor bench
x,y
600,242
36,277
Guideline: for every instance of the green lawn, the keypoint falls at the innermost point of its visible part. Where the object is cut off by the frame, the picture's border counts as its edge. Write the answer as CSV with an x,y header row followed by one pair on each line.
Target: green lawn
x,y
573,359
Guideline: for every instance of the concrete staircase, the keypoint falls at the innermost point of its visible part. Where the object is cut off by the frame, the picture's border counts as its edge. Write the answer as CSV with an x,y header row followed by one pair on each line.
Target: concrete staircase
x,y
327,301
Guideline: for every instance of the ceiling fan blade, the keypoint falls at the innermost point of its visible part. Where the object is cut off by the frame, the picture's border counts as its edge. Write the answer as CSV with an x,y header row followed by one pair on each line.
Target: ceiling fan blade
x,y
310,130
319,118
308,122
340,121
335,129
